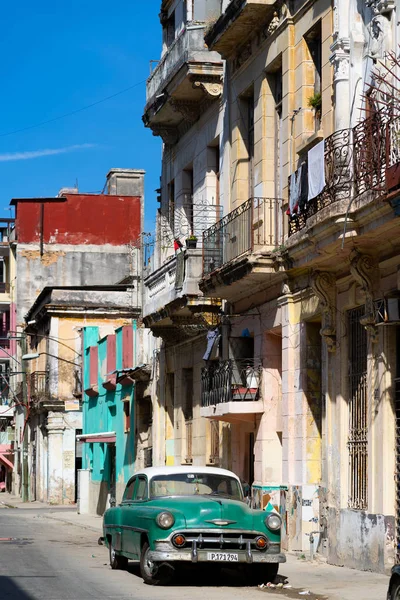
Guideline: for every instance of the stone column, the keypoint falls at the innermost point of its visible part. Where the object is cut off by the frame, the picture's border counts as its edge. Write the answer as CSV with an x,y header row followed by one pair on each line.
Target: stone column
x,y
340,59
55,432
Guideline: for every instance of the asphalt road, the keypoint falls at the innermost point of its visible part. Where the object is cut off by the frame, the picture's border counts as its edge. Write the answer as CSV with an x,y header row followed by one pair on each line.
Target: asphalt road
x,y
51,560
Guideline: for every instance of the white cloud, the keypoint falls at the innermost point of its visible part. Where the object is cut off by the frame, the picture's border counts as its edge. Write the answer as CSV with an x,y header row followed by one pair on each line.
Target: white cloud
x,y
41,153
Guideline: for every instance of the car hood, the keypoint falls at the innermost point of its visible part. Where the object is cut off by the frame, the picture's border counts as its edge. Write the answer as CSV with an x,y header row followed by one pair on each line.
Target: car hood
x,y
205,512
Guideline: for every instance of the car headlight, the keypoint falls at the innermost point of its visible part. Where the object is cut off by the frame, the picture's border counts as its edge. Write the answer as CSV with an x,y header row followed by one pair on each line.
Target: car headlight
x,y
165,520
273,522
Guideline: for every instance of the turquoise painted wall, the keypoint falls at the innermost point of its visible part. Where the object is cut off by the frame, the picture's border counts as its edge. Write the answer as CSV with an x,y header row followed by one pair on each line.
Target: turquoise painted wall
x,y
106,412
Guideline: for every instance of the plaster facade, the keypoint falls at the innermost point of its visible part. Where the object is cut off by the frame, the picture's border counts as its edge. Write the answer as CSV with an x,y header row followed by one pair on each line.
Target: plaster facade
x,y
76,242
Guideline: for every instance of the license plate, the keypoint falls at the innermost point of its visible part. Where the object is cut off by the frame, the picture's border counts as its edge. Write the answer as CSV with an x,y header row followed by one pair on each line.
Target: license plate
x,y
223,556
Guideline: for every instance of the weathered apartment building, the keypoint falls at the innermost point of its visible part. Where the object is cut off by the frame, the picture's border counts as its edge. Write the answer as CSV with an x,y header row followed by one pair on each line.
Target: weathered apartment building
x,y
76,261
6,412
278,352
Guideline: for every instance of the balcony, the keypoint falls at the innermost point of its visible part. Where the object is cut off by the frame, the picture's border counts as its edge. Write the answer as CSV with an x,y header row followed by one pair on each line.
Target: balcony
x,y
39,387
172,299
338,178
240,19
230,391
241,249
183,83
359,162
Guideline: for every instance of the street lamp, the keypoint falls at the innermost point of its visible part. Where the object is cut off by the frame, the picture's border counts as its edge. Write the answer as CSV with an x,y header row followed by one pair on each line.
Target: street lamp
x,y
38,354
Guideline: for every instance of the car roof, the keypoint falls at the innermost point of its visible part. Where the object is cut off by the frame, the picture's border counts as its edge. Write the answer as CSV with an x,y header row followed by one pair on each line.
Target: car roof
x,y
151,472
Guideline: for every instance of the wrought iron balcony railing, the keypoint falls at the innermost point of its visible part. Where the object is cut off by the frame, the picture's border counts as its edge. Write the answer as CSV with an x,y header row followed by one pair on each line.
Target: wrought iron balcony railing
x,y
230,381
363,159
39,386
338,178
255,223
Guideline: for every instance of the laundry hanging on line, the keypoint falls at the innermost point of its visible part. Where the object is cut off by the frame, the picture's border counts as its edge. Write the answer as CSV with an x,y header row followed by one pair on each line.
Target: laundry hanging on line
x,y
316,170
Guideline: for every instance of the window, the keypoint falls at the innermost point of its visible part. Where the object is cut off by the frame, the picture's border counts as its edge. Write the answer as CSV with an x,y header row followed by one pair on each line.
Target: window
x,y
313,41
141,489
397,446
128,495
250,146
358,411
170,29
127,416
187,397
171,206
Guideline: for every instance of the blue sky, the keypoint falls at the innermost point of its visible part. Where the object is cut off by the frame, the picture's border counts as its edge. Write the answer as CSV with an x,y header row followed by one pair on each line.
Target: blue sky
x,y
58,57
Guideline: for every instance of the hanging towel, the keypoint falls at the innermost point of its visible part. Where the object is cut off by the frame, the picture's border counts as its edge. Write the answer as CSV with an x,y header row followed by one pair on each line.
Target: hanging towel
x,y
213,337
316,170
303,187
295,180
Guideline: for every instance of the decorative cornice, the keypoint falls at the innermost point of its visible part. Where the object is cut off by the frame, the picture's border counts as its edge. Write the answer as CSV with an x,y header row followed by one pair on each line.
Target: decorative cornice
x,y
169,134
210,84
323,285
340,58
189,109
381,6
363,269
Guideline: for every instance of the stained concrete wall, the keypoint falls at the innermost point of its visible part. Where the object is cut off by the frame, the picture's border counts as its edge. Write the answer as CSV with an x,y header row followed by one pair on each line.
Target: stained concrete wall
x,y
65,265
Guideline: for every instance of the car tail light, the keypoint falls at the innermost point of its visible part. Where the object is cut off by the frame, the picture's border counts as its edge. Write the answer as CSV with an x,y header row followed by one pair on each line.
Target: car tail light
x,y
179,540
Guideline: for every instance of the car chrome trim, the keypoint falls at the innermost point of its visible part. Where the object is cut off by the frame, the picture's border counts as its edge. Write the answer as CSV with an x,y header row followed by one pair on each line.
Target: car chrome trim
x,y
212,530
138,529
201,556
221,522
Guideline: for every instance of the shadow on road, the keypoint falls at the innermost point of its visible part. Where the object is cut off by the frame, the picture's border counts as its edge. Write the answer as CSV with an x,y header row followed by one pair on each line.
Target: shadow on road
x,y
11,591
203,576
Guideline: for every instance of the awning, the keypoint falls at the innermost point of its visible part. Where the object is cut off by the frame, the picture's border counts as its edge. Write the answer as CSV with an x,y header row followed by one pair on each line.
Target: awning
x,y
104,437
141,373
6,462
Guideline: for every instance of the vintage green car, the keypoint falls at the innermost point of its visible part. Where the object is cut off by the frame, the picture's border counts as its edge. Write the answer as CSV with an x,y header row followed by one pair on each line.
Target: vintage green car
x,y
171,516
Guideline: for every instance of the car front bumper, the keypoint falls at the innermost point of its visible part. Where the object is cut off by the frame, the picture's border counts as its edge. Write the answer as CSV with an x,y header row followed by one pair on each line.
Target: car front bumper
x,y
194,555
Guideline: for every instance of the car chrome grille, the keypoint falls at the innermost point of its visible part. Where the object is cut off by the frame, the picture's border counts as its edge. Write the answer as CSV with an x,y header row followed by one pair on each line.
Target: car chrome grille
x,y
227,540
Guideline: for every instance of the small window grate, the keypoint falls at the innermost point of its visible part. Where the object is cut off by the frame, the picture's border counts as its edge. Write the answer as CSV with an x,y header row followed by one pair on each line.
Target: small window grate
x,y
358,411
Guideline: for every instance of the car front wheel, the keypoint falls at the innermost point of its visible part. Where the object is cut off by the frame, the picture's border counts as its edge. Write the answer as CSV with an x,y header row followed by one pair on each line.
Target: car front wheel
x,y
152,573
395,591
116,560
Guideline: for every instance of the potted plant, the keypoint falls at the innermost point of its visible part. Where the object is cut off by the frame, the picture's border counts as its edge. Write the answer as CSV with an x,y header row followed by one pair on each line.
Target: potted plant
x,y
315,102
191,241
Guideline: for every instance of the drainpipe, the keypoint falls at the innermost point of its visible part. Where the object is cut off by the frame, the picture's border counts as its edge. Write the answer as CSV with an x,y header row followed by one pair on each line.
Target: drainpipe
x,y
312,533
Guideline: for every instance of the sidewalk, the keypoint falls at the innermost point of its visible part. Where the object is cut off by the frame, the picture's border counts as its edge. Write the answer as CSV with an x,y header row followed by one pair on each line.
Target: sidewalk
x,y
63,513
322,580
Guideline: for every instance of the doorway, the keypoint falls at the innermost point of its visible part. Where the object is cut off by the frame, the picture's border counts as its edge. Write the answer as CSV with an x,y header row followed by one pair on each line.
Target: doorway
x,y
112,480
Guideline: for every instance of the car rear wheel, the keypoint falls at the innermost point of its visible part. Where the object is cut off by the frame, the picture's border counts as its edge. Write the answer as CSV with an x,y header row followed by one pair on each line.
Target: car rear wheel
x,y
116,560
395,591
152,573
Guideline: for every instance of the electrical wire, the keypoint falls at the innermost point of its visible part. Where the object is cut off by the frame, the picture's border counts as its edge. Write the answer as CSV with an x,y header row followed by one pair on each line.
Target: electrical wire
x,y
73,112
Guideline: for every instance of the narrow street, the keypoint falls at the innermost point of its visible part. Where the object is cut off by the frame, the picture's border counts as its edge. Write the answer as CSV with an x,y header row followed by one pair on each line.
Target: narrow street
x,y
45,557
50,560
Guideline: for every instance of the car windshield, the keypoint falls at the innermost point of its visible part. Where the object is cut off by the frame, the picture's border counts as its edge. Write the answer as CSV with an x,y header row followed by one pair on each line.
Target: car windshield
x,y
193,484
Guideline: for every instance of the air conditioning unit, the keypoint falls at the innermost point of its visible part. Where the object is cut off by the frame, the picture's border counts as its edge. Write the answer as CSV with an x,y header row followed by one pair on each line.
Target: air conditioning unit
x,y
387,311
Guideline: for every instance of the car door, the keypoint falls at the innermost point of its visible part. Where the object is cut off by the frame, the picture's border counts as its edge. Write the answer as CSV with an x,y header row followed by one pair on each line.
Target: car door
x,y
140,498
127,516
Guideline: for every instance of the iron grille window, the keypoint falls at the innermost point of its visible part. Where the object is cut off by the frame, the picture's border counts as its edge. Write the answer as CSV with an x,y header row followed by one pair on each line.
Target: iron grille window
x,y
358,411
397,433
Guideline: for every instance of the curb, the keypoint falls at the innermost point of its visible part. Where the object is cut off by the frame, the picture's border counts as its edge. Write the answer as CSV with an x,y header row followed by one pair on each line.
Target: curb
x,y
88,527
